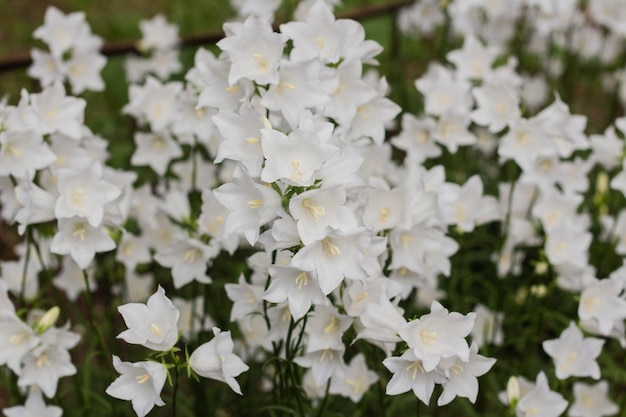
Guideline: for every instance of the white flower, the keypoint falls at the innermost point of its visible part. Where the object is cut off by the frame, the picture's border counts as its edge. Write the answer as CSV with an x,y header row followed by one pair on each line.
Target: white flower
x,y
34,407
461,376
540,401
84,194
438,334
139,382
356,380
215,359
188,259
153,324
80,240
44,366
592,401
574,355
254,50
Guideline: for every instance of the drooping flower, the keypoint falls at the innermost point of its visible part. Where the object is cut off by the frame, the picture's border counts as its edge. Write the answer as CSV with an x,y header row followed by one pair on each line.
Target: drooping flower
x,y
215,359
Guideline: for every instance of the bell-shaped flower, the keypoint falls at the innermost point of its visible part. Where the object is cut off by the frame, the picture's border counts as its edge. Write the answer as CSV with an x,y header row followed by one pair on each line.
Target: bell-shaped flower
x,y
251,205
154,102
319,37
372,116
325,328
140,383
188,259
246,298
438,335
603,302
351,92
153,324
334,258
295,159
16,340
155,150
44,366
355,381
80,240
324,364
60,31
409,374
462,376
34,406
498,105
254,50
212,79
473,61
301,86
58,112
416,138
23,153
299,288
242,138
84,194
444,92
541,401
574,355
215,360
319,211
37,205
592,401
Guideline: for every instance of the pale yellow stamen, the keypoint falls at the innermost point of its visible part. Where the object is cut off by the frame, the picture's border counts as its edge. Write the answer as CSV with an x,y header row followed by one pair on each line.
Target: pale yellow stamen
x,y
297,173
156,330
288,86
302,280
142,379
316,211
330,249
320,42
415,367
406,240
77,198
333,326
190,255
233,89
18,339
383,214
262,62
456,369
80,230
255,204
325,353
42,361
428,337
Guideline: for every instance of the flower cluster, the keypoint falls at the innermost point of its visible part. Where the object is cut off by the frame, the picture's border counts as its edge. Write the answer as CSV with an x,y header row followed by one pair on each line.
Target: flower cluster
x,y
73,52
265,190
35,350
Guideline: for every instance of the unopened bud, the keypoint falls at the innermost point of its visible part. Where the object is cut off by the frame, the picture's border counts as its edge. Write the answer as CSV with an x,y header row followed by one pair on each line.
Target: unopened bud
x,y
48,319
513,391
539,290
602,183
541,268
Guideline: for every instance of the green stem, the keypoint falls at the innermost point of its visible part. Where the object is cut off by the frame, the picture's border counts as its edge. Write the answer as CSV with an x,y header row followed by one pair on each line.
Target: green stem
x,y
25,268
92,323
175,391
320,412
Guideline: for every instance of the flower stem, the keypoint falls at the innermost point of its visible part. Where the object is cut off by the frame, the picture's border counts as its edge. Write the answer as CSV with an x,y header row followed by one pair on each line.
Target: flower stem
x,y
175,391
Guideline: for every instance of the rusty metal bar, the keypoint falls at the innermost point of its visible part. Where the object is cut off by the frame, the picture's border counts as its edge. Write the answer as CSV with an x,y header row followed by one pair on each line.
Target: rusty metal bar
x,y
123,48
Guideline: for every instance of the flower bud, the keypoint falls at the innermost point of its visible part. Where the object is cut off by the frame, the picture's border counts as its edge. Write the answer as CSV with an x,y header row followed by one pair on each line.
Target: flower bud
x,y
48,319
